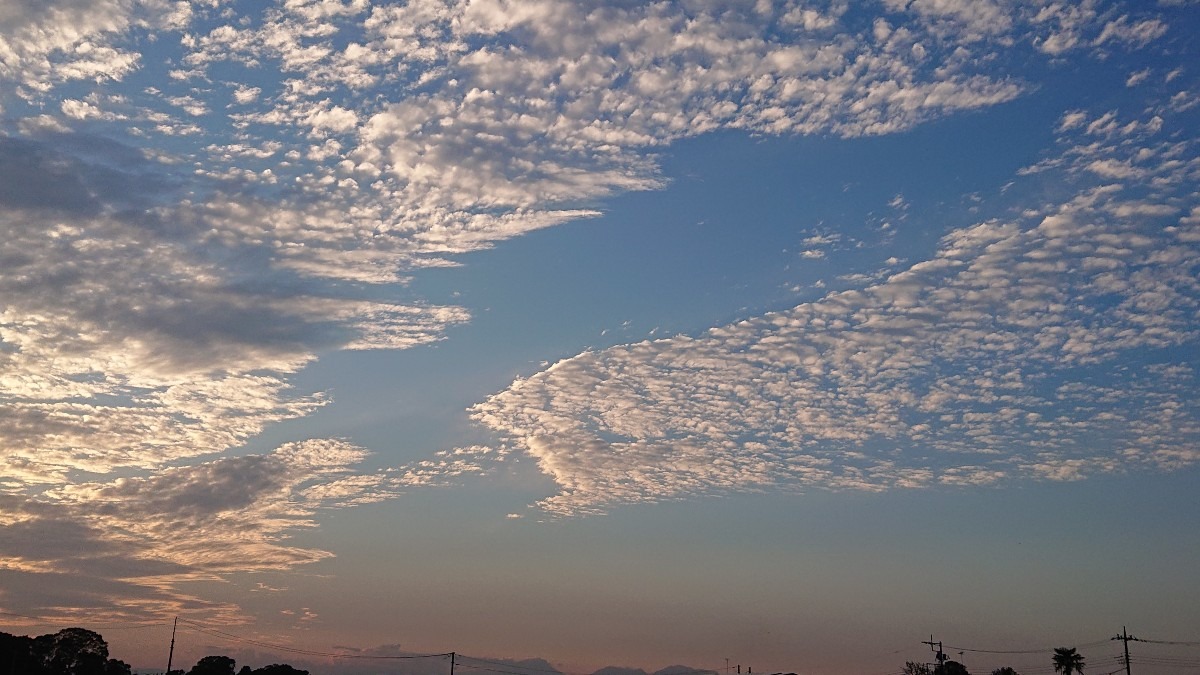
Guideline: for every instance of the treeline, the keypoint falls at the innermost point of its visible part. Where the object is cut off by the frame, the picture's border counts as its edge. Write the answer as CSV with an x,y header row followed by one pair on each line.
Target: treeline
x,y
71,651
223,665
78,651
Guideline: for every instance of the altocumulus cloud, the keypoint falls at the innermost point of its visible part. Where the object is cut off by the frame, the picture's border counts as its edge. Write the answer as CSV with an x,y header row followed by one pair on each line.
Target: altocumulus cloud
x,y
990,361
181,239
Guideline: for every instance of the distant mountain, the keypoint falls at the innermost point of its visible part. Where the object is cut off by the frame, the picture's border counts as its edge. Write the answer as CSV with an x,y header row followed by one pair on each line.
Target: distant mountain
x,y
534,665
618,670
681,670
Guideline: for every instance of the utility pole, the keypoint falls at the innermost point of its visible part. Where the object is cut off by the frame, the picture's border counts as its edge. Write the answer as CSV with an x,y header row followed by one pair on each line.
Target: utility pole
x,y
938,655
451,664
171,655
1126,637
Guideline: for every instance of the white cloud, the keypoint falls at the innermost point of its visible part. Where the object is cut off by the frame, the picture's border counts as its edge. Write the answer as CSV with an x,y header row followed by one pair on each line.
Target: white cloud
x,y
969,368
1136,78
46,43
161,290
1136,33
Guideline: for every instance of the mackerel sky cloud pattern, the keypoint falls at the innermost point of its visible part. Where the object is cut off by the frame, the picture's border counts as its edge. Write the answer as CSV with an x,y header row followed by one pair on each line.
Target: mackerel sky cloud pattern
x,y
201,199
978,365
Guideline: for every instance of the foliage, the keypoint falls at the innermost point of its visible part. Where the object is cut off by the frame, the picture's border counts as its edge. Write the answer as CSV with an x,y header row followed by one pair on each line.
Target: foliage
x,y
1006,670
16,655
78,651
1067,661
278,669
71,651
914,668
950,668
213,665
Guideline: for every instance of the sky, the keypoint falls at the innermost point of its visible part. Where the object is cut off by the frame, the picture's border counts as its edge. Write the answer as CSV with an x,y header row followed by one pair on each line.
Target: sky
x,y
782,334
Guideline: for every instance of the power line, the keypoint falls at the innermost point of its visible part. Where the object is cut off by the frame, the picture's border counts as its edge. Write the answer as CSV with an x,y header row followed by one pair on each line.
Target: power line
x,y
524,669
1169,642
1022,651
491,670
510,668
1125,637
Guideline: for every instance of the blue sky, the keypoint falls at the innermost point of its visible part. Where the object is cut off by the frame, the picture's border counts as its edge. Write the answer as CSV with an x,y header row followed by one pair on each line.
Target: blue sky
x,y
611,333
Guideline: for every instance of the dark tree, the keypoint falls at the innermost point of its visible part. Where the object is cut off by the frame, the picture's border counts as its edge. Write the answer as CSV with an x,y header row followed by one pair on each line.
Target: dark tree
x,y
1067,661
117,667
16,655
245,671
278,669
1006,670
72,651
213,665
950,668
914,668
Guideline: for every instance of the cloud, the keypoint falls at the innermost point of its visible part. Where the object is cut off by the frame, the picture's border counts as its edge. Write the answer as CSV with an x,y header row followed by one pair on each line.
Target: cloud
x,y
174,254
139,538
1136,33
528,119
139,334
47,43
982,364
441,127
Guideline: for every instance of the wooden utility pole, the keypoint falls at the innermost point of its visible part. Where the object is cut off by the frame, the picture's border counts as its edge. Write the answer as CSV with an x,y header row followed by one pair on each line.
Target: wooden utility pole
x,y
171,655
1126,637
938,655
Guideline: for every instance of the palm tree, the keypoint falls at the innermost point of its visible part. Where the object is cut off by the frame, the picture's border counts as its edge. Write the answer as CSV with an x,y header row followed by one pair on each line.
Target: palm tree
x,y
1067,661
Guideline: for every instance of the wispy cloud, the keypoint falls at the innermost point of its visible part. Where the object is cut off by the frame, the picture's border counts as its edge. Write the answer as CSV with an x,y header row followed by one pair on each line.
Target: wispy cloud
x,y
142,537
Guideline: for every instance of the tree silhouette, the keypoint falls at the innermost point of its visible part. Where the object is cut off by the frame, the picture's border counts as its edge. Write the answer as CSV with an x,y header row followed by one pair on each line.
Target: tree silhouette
x,y
72,651
279,669
16,654
1067,661
914,668
1006,670
950,668
213,665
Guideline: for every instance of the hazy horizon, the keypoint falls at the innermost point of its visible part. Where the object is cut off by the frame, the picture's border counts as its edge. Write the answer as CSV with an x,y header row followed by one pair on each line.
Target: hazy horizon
x,y
1146,655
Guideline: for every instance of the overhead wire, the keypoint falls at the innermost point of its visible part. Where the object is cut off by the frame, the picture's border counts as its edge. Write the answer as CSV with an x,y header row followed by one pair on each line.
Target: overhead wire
x,y
485,668
511,668
509,664
525,670
1167,642
1020,651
